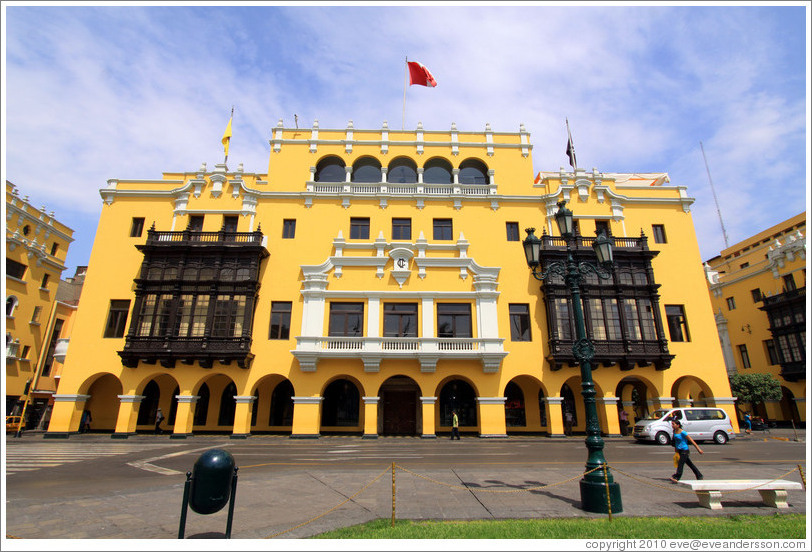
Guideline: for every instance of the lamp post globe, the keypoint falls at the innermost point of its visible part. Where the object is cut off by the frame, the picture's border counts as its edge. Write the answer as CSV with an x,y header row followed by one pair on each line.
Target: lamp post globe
x,y
599,492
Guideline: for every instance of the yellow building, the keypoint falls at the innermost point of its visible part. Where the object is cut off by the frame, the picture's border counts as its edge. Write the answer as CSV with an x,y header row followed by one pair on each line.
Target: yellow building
x,y
36,247
758,290
371,282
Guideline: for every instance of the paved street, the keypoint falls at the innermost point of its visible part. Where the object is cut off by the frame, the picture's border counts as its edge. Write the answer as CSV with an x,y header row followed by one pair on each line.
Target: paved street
x,y
90,486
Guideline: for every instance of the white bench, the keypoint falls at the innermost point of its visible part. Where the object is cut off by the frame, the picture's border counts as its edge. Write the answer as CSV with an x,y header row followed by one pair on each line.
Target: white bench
x,y
773,493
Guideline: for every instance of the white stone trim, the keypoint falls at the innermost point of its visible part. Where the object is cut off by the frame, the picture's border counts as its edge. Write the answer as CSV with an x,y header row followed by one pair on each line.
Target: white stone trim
x,y
243,399
723,400
187,398
307,400
130,398
491,400
428,400
71,398
370,400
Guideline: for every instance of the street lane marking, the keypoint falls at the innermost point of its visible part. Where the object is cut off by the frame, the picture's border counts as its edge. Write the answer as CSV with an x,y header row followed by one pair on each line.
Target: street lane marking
x,y
148,466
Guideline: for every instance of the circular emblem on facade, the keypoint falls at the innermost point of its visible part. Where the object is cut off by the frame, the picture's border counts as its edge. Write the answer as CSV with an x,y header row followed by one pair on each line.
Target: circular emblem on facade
x,y
583,350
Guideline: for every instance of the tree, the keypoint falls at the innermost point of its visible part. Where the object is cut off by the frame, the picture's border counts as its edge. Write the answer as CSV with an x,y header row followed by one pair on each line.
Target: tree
x,y
755,387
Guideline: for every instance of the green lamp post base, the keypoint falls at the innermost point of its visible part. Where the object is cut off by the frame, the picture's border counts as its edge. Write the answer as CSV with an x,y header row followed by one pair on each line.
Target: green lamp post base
x,y
594,499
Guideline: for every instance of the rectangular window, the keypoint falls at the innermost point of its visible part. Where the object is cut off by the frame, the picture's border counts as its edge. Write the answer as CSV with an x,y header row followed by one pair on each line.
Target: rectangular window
x,y
772,353
646,311
744,356
789,282
280,319
154,316
443,229
731,303
677,323
563,320
35,315
632,319
744,265
15,269
346,319
512,229
54,249
659,233
117,318
453,320
288,229
191,315
230,223
195,223
44,283
602,227
24,354
359,228
401,229
229,315
519,322
756,293
400,320
137,227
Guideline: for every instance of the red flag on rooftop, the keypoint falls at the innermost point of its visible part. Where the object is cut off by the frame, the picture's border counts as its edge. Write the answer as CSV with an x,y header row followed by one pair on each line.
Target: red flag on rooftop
x,y
418,74
538,178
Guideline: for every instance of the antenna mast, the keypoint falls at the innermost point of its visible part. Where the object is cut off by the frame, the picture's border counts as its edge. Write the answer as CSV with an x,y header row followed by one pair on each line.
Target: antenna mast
x,y
718,211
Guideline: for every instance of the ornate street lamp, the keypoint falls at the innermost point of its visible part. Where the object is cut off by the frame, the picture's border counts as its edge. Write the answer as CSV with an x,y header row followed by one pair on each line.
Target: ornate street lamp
x,y
598,489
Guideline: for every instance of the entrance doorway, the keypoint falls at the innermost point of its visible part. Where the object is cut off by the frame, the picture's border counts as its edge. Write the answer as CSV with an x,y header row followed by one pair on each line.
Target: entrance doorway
x,y
399,399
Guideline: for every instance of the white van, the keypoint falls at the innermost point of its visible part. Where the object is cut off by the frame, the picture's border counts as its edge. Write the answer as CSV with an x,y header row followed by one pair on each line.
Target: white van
x,y
702,424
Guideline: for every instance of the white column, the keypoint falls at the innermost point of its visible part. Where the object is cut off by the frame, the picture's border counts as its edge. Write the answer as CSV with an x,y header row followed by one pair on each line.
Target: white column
x,y
428,317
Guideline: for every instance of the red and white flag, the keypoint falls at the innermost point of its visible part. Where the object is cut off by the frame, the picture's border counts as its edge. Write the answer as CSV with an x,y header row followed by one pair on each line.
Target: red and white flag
x,y
418,74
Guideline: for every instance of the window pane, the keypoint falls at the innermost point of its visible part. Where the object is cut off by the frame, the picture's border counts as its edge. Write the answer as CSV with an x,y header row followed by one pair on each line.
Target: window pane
x,y
400,320
280,319
443,229
346,319
453,320
401,229
519,322
289,229
359,228
512,229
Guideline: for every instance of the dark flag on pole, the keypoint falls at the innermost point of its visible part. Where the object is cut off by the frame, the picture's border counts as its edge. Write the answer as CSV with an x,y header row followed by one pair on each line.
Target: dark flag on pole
x,y
570,147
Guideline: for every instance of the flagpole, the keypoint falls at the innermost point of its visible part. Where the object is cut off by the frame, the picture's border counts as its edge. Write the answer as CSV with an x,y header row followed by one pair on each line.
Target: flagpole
x,y
405,78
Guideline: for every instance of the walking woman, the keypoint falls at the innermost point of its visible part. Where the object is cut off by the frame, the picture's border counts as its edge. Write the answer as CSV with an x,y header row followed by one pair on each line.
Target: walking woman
x,y
681,442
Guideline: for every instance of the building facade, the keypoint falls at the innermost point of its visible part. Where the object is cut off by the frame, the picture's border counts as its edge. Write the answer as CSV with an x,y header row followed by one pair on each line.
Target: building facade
x,y
36,247
758,291
373,281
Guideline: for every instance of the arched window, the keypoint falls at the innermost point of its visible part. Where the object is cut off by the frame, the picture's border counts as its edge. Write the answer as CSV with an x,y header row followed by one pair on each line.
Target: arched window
x,y
402,170
149,404
341,404
473,171
330,169
460,396
514,406
366,169
202,405
11,305
227,405
437,171
282,405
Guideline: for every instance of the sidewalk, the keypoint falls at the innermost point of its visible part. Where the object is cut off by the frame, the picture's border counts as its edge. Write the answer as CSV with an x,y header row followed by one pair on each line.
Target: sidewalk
x,y
271,503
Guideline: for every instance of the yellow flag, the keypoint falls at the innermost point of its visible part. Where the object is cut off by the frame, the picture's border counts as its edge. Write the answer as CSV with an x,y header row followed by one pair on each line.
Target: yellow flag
x,y
227,136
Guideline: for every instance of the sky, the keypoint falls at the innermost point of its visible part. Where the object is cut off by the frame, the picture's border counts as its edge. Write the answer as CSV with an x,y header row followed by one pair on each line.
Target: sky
x,y
93,92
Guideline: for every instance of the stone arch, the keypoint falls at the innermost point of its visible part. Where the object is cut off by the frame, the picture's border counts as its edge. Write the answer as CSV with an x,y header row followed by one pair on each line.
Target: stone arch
x,y
402,170
272,409
634,393
399,407
341,409
158,389
691,391
366,169
789,408
437,170
533,409
330,168
457,393
208,408
103,403
473,171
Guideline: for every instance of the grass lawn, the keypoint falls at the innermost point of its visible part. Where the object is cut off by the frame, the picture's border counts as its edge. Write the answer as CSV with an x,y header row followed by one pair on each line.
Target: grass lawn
x,y
776,526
